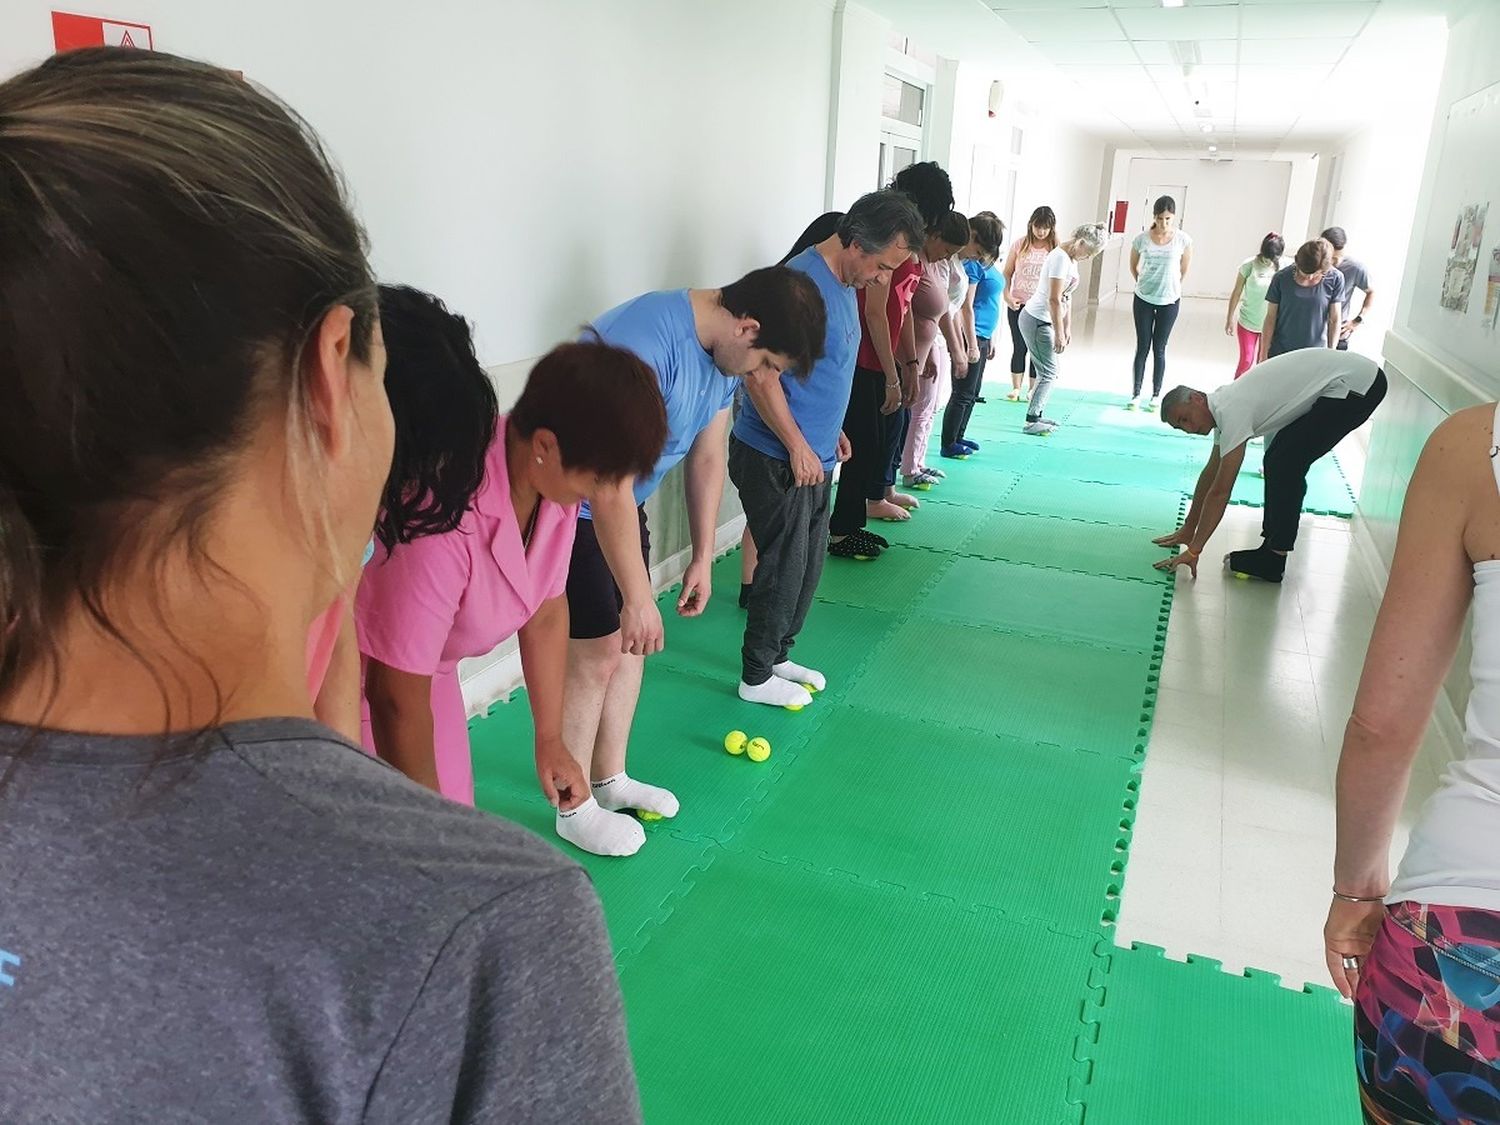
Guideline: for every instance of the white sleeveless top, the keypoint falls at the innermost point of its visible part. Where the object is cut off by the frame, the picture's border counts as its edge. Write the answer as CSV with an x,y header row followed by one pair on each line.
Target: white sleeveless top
x,y
1454,855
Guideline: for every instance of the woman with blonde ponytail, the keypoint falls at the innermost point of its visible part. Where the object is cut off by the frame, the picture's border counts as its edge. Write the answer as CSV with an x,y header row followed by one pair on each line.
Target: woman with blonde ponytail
x,y
1047,319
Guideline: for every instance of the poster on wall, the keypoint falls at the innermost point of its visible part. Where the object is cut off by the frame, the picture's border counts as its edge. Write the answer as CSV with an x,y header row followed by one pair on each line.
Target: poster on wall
x,y
1459,249
71,31
1463,256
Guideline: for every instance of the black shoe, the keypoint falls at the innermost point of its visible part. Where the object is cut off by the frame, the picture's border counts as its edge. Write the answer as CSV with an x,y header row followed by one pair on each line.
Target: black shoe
x,y
979,398
869,539
851,548
1262,563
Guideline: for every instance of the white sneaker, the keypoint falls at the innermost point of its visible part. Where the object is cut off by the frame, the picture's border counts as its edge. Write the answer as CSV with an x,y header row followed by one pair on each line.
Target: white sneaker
x,y
1037,429
1133,404
1151,405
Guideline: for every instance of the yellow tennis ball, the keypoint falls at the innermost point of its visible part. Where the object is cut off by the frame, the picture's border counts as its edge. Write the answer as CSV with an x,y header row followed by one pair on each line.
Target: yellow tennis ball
x,y
648,815
734,742
758,750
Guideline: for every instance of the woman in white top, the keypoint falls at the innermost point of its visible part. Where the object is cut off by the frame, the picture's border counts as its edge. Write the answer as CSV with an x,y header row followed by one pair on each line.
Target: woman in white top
x,y
1159,260
1421,956
1247,304
1023,270
1047,319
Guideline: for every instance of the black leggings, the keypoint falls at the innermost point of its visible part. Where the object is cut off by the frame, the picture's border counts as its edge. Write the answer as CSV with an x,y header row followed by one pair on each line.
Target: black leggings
x,y
1296,446
1017,343
864,472
1153,325
961,402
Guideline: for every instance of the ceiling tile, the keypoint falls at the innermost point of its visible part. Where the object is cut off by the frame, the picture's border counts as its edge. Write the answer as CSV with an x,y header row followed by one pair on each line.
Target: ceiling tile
x,y
1101,52
1305,21
1050,26
1200,74
1180,23
1293,52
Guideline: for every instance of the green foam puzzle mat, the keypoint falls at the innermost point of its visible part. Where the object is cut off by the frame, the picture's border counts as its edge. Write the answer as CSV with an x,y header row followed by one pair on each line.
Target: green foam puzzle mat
x,y
1101,503
1045,846
1058,691
818,999
1091,608
936,526
904,915
1105,549
1182,1044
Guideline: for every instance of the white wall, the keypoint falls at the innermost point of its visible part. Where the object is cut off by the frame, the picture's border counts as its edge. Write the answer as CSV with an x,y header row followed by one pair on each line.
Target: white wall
x,y
536,163
859,39
1229,207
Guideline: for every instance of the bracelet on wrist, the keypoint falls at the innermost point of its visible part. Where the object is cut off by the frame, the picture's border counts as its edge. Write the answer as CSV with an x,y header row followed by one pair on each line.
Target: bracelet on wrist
x,y
1342,897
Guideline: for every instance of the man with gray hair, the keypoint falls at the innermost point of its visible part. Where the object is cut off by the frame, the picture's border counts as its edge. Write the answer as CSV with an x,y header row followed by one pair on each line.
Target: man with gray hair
x,y
788,437
1303,403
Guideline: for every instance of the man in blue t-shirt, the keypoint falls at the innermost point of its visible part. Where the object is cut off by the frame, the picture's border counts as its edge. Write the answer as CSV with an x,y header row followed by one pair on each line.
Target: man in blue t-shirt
x,y
788,437
700,343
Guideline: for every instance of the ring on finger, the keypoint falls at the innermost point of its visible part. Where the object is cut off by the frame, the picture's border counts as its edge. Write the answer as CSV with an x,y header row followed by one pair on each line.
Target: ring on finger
x,y
1351,962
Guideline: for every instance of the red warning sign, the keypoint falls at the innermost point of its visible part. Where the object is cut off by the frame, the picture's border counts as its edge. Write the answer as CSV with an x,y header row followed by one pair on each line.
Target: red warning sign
x,y
69,32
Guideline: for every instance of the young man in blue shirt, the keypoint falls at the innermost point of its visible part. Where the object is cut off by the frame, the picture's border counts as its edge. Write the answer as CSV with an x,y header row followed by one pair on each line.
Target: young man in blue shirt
x,y
700,343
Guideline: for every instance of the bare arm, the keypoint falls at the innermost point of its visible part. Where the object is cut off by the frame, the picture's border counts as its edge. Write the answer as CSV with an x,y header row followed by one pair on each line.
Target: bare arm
x,y
618,529
770,402
1135,264
1335,312
971,335
401,720
956,347
878,325
1009,272
1215,498
1184,534
1267,330
1416,634
1187,260
337,705
703,484
1234,302
1055,286
544,663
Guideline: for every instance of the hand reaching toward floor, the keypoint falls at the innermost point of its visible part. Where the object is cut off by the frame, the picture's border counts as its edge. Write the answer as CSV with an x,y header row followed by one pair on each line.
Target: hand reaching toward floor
x,y
1188,559
1178,538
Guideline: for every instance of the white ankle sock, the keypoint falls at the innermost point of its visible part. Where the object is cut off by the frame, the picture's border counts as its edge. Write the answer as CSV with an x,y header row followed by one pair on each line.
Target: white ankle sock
x,y
597,830
624,792
777,692
800,675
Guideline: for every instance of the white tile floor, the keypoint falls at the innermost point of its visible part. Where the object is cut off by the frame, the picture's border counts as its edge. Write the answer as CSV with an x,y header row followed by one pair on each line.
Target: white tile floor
x,y
1233,843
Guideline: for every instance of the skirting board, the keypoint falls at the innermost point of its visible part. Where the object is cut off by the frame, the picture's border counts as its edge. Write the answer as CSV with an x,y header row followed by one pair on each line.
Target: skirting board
x,y
499,677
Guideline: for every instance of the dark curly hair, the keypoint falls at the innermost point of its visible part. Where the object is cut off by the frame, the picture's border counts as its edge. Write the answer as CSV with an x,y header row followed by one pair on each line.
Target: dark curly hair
x,y
445,410
928,186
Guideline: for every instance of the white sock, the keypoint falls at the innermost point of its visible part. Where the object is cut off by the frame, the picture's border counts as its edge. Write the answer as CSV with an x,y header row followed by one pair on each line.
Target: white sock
x,y
624,792
777,692
800,675
600,831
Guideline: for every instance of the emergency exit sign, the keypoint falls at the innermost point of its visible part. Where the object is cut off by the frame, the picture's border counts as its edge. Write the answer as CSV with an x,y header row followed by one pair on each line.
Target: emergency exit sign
x,y
70,31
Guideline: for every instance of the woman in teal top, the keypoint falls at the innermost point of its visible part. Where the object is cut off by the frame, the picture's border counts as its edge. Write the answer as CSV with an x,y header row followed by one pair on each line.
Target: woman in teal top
x,y
1249,299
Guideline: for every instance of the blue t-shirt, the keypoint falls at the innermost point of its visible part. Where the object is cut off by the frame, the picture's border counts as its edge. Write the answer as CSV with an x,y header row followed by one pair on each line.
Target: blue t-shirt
x,y
659,327
819,402
989,284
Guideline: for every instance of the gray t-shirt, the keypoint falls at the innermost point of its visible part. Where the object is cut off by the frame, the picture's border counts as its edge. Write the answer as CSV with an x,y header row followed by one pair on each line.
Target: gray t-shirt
x,y
281,928
1355,277
1302,310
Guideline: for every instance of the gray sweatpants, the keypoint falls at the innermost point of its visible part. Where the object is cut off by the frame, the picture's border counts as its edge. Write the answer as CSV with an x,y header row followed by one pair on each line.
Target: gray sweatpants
x,y
790,528
1039,339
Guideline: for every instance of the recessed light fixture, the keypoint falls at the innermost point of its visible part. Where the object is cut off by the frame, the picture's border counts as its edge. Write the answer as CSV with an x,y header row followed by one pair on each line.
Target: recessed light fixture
x,y
1171,3
1213,148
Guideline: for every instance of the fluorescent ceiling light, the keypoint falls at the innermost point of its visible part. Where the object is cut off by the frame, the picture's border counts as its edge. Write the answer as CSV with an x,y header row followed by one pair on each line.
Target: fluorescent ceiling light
x,y
1171,3
1213,148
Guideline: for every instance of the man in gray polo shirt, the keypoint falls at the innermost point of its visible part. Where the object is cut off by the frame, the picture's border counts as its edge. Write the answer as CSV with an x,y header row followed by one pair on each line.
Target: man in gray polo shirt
x,y
1355,277
1303,403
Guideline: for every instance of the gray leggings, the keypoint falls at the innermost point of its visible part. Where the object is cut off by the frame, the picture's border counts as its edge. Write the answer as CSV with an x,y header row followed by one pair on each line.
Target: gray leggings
x,y
1038,337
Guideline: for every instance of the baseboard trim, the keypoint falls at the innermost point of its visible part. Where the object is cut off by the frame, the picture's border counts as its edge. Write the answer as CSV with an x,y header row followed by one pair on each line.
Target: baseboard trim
x,y
496,681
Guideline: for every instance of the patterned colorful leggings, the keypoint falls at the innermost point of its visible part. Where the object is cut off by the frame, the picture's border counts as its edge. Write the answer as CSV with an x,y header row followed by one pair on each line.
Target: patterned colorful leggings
x,y
1427,1017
